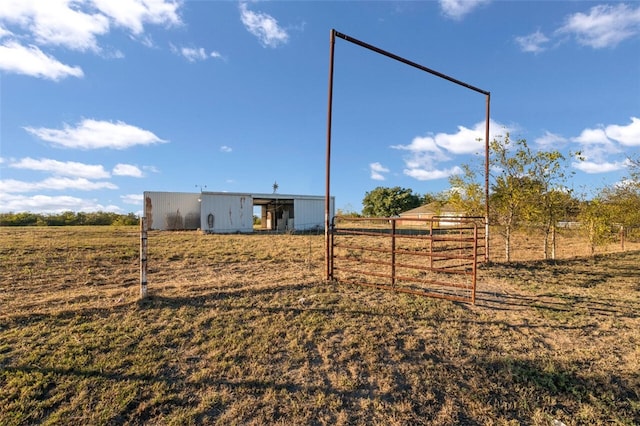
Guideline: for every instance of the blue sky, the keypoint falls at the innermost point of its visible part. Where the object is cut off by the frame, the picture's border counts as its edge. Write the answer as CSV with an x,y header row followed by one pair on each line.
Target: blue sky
x,y
101,100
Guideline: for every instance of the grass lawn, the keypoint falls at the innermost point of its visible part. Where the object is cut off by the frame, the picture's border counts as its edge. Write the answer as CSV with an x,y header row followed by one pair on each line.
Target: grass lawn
x,y
242,329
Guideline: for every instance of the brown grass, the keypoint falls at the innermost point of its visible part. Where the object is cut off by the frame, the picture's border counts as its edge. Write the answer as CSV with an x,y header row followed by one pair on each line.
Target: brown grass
x,y
241,329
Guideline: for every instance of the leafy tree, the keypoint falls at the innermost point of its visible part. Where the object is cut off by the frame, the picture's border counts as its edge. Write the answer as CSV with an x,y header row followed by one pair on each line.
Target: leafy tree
x,y
466,193
634,170
386,202
594,219
526,187
125,220
67,218
513,190
554,198
622,200
431,197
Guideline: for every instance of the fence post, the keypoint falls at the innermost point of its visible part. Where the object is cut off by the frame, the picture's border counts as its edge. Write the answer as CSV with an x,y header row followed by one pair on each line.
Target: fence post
x,y
474,272
143,257
393,251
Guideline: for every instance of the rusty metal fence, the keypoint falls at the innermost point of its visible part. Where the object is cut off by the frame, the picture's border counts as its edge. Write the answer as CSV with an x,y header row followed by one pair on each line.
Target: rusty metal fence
x,y
435,257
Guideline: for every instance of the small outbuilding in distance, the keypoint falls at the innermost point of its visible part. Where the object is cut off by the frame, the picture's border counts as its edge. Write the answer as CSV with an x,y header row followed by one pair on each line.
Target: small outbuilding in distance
x,y
433,210
228,213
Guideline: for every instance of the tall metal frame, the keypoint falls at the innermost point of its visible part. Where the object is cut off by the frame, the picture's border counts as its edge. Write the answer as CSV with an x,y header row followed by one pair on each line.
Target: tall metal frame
x,y
327,225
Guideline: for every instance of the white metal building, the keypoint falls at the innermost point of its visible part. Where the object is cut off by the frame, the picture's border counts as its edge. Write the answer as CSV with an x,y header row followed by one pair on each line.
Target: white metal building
x,y
226,212
172,210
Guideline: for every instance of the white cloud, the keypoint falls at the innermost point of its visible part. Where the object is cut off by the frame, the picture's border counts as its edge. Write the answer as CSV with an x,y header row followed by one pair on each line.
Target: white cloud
x,y
465,141
457,9
533,42
94,134
377,171
56,22
551,140
604,25
422,174
31,61
75,25
421,144
225,148
62,168
53,183
193,54
626,135
133,14
426,152
597,146
263,26
135,199
51,204
127,170
4,32
592,167
592,137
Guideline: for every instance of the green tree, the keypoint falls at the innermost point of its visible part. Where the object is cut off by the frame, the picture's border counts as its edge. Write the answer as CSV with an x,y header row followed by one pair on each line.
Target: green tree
x,y
553,200
466,193
594,220
431,197
623,201
386,202
512,201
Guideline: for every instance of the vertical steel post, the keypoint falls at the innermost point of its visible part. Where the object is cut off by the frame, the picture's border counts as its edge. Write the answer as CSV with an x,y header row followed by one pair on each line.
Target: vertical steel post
x,y
475,264
143,257
486,181
327,193
332,242
431,244
393,251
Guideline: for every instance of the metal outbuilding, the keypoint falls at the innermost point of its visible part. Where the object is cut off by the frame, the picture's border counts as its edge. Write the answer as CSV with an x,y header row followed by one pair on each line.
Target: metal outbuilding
x,y
225,212
172,210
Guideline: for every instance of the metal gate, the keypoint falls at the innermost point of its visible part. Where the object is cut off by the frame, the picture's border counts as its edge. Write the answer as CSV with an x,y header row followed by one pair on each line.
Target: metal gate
x,y
435,257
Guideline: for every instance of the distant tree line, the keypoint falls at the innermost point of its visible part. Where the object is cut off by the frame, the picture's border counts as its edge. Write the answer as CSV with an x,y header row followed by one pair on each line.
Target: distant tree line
x,y
67,218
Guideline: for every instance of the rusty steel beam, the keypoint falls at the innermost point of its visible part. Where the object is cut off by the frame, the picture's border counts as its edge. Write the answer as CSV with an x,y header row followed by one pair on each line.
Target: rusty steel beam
x,y
408,62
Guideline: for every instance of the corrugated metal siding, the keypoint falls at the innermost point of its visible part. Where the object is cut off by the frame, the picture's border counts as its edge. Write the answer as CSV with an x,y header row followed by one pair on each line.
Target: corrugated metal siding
x,y
172,210
222,213
309,213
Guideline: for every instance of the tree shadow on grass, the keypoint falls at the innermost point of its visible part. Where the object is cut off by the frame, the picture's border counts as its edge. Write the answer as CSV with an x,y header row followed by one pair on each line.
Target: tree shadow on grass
x,y
552,285
558,303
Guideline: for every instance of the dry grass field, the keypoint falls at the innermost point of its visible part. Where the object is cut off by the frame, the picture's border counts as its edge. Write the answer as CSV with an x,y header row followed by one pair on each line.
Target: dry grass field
x,y
242,329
